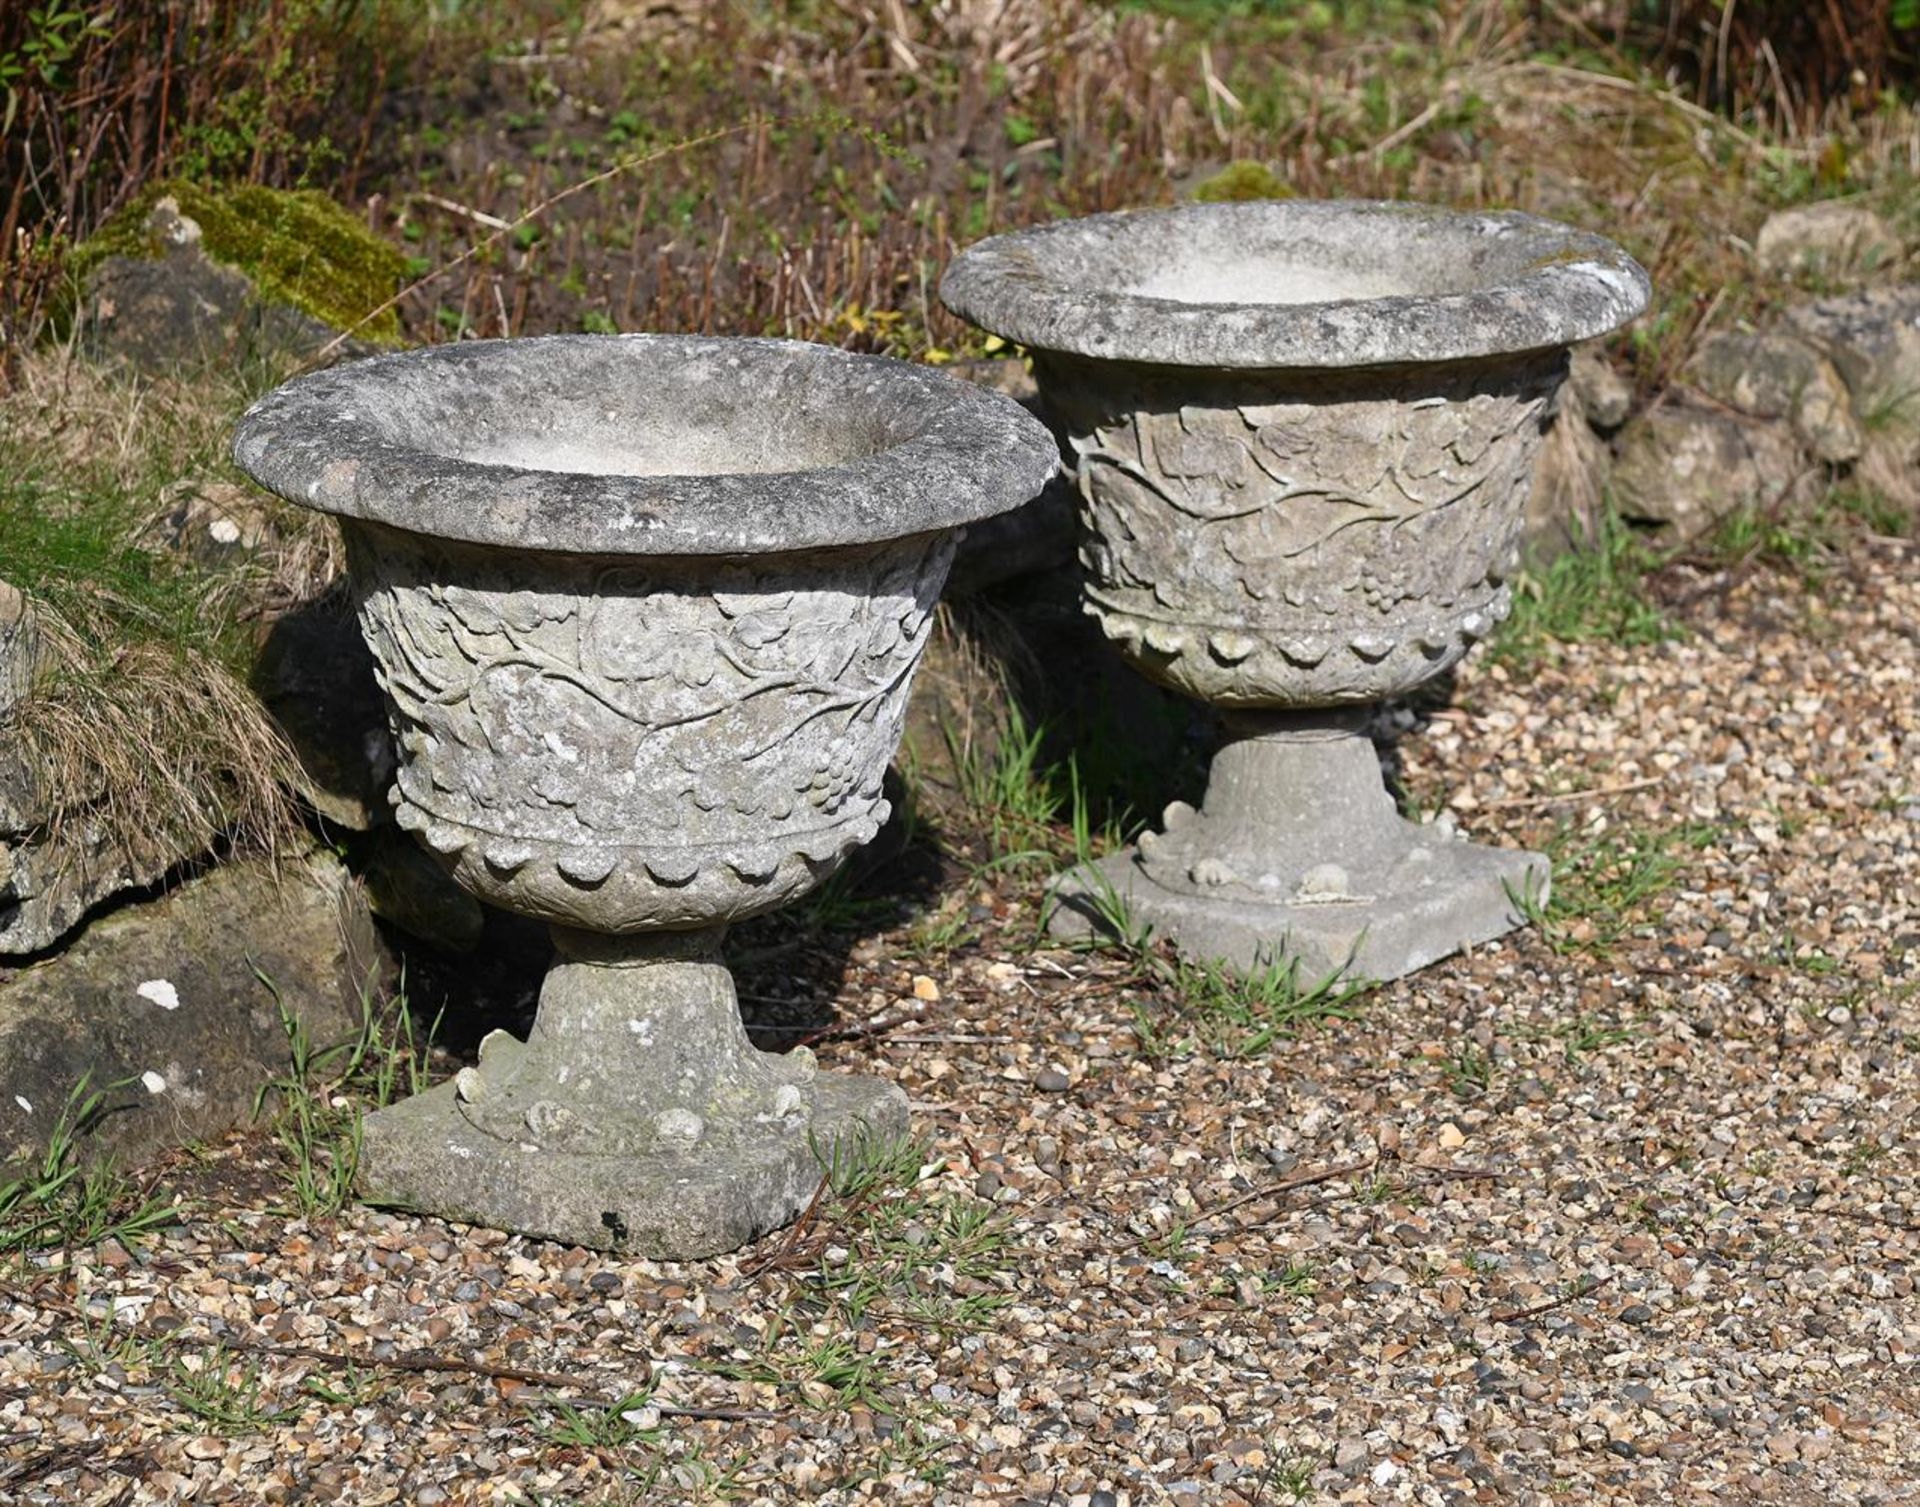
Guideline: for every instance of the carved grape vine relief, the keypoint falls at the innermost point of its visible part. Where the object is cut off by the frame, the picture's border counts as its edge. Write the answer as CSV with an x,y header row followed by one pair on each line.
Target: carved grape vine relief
x,y
622,743
1273,539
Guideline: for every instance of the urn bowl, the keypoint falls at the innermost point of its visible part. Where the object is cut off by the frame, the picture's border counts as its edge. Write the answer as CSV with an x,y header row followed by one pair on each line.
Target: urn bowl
x,y
645,608
1304,431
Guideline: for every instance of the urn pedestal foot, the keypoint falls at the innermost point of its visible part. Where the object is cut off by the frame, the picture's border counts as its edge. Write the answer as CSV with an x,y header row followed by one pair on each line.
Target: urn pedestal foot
x,y
636,1117
1298,856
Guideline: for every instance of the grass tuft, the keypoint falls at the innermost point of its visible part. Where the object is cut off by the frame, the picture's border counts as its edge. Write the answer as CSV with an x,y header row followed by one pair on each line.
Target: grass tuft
x,y
317,1119
1606,880
67,1201
1595,592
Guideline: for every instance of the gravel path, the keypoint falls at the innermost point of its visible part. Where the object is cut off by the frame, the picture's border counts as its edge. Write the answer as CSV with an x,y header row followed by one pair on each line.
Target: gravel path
x,y
1627,1212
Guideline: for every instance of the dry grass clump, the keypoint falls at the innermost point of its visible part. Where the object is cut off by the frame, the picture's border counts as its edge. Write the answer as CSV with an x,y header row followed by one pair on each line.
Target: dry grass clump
x,y
140,721
161,749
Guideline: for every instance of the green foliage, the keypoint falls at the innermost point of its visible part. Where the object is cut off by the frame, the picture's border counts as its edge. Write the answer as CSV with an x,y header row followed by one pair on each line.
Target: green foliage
x,y
1011,790
223,1392
1208,1005
70,523
621,1425
318,1121
1468,1071
882,1244
54,34
1241,1014
1290,1477
1606,879
1583,1034
68,1201
1876,511
298,247
1594,593
1802,545
70,548
1808,542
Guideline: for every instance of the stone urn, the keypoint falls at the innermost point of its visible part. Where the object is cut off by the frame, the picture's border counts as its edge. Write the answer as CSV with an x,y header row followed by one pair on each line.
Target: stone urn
x,y
645,610
1304,435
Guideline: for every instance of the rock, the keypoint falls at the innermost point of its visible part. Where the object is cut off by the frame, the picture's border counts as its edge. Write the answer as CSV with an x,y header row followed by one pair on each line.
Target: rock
x,y
58,864
1891,466
315,676
408,888
1570,479
19,649
1683,467
1776,376
1605,396
1873,339
1013,378
1050,1080
1830,240
212,524
1036,536
172,988
188,274
620,26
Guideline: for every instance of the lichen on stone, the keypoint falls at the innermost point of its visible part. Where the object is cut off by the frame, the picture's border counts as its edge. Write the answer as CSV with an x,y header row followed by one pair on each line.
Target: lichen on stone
x,y
296,245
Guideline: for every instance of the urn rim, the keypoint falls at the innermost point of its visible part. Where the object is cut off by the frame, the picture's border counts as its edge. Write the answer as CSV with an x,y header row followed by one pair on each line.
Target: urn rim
x,y
1295,284
445,441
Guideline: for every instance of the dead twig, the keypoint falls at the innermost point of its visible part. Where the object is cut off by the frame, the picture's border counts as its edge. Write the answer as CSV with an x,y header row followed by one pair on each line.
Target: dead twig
x,y
1598,792
1517,1315
1459,1174
791,1240
414,1362
466,212
1284,1185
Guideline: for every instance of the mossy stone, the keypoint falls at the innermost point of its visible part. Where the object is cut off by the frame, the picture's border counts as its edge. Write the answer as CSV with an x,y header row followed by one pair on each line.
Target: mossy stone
x,y
1238,182
296,246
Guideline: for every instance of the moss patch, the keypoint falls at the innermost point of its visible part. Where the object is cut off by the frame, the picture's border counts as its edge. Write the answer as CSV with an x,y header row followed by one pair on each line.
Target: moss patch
x,y
1238,182
298,247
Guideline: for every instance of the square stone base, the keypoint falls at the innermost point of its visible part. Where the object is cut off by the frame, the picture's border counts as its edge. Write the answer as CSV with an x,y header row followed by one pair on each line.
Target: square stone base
x,y
1416,911
423,1154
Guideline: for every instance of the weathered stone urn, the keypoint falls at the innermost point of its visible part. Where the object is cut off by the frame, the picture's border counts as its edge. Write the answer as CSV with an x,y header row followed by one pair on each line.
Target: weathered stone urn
x,y
1304,435
645,609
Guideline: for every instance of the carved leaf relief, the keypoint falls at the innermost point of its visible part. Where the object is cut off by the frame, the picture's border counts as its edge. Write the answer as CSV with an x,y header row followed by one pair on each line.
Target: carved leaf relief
x,y
623,704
